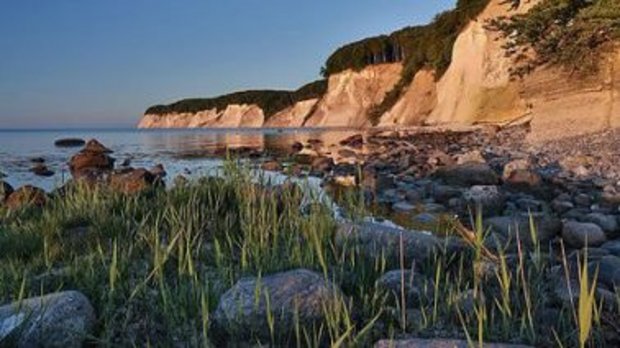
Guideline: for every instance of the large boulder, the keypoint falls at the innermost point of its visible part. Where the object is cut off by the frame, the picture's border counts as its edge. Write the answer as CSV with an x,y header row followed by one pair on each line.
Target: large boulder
x,y
93,158
509,227
582,234
5,191
62,319
438,343
373,239
608,268
609,223
26,196
132,181
489,199
467,174
299,295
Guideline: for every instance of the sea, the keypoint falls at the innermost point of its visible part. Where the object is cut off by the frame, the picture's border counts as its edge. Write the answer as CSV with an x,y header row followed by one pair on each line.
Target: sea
x,y
189,152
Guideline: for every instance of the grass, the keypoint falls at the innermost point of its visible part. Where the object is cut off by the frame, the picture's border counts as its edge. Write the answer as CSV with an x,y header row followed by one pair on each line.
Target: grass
x,y
154,266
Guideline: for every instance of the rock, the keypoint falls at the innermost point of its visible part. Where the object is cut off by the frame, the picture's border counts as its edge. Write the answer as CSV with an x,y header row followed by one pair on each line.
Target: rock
x,y
487,198
613,246
346,153
26,196
69,142
443,193
132,181
297,146
5,191
91,161
547,227
41,170
608,270
243,311
470,157
376,182
561,206
322,164
158,171
37,160
515,165
467,174
304,158
374,239
355,141
579,235
271,166
417,288
608,223
438,343
525,180
583,200
403,207
62,319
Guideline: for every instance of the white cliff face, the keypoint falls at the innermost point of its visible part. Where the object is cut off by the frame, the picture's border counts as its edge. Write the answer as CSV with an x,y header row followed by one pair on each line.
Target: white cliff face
x,y
350,95
416,104
292,117
234,116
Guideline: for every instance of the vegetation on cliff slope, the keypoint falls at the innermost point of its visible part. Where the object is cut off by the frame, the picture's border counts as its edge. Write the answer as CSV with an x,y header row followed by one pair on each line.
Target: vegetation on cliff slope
x,y
572,34
270,101
417,47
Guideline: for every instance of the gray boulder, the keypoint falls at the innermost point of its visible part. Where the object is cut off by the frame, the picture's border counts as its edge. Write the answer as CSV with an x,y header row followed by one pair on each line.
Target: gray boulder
x,y
438,343
488,198
244,310
373,239
62,319
468,174
582,234
546,227
608,270
608,223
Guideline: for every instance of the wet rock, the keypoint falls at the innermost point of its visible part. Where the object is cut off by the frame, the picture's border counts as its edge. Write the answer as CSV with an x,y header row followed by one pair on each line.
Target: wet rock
x,y
355,141
608,223
244,310
443,193
467,174
132,181
69,142
524,180
26,196
158,171
374,239
91,160
42,170
579,235
62,319
487,198
271,166
5,191
417,289
438,343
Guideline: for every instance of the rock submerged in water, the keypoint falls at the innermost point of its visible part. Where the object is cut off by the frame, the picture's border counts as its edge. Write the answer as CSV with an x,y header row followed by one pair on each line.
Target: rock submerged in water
x,y
69,142
243,311
62,319
42,170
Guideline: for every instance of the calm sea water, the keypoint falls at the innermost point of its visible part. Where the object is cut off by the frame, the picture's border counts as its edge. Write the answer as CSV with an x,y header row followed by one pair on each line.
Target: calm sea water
x,y
180,151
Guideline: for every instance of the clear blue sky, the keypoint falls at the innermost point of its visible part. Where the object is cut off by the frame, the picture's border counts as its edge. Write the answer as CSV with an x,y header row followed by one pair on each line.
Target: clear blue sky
x,y
100,63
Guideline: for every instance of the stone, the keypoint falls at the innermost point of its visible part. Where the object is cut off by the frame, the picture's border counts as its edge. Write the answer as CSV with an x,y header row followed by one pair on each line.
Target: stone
x,y
158,171
5,191
132,181
26,196
608,268
355,141
547,228
271,166
373,239
613,246
439,343
443,193
63,319
91,160
524,180
513,166
579,235
244,310
608,223
467,174
69,142
322,164
583,200
561,206
473,156
487,198
42,170
417,288
403,207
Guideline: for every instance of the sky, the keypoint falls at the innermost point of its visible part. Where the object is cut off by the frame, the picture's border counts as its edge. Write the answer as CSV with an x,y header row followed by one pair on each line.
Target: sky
x,y
93,63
